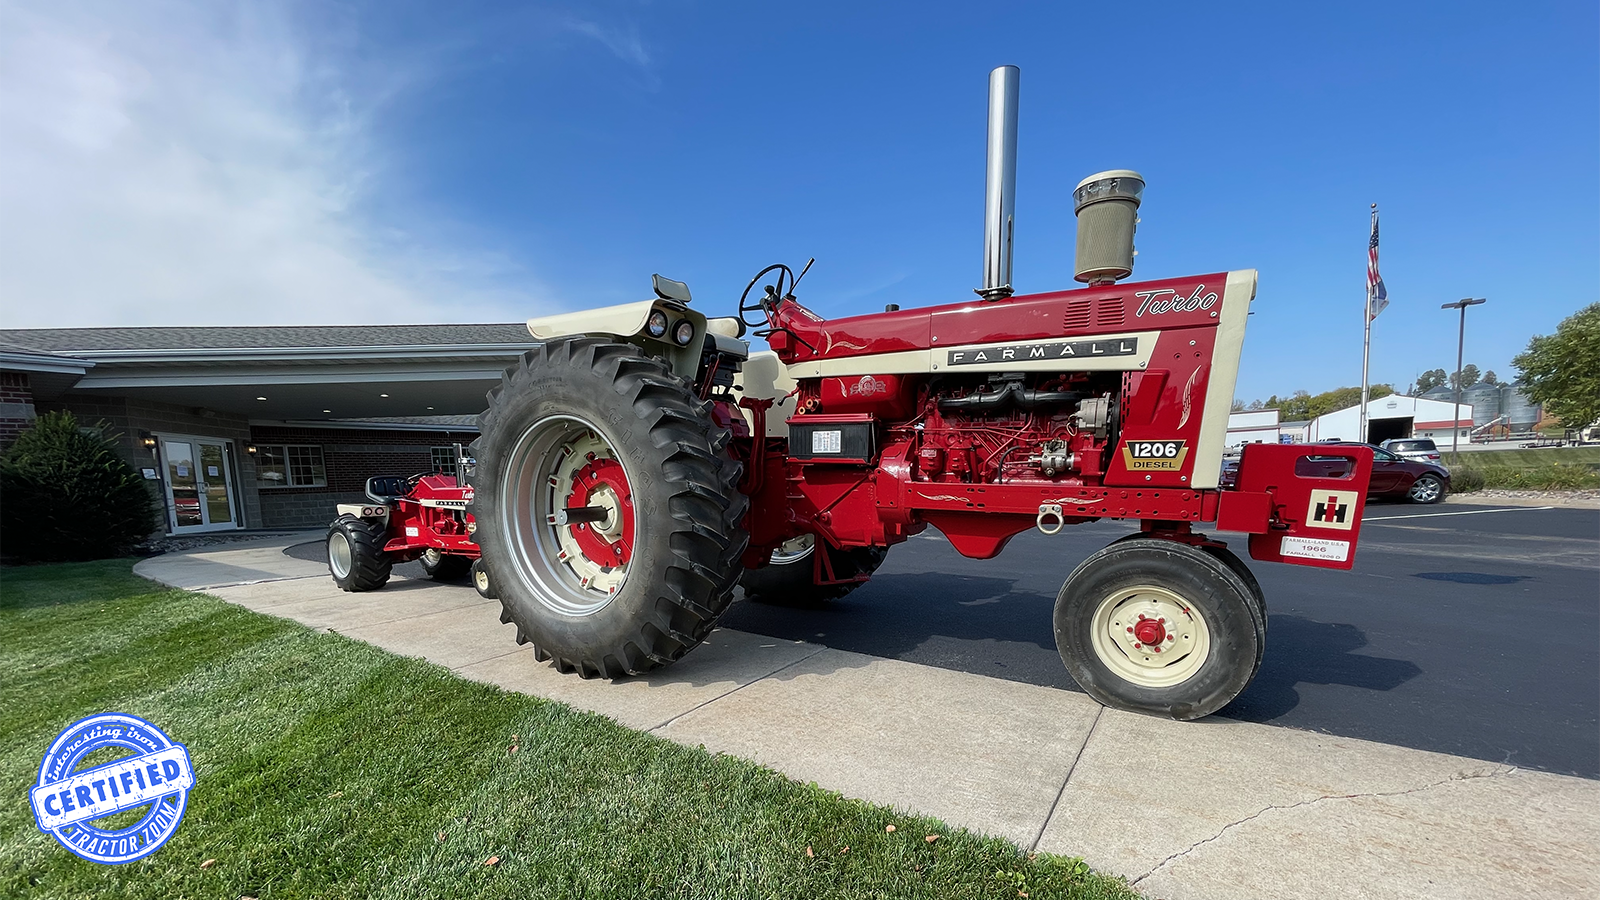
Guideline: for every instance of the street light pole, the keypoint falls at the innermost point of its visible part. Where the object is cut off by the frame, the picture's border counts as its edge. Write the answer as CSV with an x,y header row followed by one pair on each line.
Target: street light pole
x,y
1461,343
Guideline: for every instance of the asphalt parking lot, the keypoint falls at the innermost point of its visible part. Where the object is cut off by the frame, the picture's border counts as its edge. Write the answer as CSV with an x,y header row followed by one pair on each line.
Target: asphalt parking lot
x,y
1465,630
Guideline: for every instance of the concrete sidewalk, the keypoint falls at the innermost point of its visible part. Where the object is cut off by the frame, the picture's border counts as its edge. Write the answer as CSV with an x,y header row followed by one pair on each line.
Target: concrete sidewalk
x,y
1209,809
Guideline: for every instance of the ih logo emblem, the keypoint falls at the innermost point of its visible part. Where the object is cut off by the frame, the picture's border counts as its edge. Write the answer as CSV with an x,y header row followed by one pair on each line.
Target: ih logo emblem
x,y
1154,456
1332,509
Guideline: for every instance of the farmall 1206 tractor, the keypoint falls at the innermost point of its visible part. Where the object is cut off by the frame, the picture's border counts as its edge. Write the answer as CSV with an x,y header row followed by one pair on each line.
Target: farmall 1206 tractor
x,y
640,462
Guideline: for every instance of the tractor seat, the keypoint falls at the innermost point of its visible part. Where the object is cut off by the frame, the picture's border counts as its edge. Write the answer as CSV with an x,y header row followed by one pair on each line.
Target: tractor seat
x,y
386,489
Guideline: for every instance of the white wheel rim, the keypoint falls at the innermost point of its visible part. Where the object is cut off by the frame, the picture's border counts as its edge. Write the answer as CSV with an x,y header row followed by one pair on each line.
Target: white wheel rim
x,y
541,473
1129,616
433,556
339,555
1425,489
794,550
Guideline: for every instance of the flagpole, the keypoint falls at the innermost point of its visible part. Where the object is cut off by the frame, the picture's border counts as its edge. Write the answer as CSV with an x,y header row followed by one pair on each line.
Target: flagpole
x,y
1366,346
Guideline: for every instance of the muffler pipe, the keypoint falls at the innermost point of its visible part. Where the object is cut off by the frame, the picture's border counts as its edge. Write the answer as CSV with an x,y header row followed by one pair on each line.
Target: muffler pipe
x,y
1000,195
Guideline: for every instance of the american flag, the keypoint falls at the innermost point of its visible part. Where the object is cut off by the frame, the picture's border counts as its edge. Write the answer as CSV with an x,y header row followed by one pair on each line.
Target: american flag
x,y
1377,296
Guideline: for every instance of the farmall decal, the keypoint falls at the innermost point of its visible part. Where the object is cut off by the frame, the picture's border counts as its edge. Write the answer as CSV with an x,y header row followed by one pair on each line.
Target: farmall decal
x,y
1332,509
1154,456
1157,302
974,356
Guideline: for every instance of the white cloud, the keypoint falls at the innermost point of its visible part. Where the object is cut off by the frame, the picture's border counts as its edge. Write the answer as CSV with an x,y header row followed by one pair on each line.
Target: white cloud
x,y
201,164
623,41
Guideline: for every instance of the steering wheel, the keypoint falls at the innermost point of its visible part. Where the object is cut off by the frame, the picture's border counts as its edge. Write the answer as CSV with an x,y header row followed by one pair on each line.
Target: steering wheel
x,y
770,300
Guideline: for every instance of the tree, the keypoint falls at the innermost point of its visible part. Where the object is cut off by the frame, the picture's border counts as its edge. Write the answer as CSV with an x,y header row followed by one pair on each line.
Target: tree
x,y
1490,378
1296,408
1469,376
1238,405
1255,405
1430,379
66,494
1562,370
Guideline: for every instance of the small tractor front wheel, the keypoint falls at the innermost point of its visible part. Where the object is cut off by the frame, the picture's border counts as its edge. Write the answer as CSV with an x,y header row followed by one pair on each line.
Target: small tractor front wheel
x,y
787,580
355,554
607,509
1159,627
480,581
442,566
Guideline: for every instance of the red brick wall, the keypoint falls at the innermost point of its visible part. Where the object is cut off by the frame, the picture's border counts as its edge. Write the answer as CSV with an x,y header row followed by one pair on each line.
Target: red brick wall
x,y
16,406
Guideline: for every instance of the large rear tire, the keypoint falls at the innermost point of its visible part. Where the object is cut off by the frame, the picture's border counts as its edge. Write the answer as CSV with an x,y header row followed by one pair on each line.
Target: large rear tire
x,y
788,580
595,424
355,554
1159,627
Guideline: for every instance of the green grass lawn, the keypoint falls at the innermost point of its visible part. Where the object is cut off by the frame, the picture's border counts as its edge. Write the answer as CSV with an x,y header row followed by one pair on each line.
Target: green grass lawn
x,y
328,768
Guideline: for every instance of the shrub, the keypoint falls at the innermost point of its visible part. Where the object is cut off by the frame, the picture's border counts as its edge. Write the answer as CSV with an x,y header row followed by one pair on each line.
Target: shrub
x,y
1465,481
66,494
1554,476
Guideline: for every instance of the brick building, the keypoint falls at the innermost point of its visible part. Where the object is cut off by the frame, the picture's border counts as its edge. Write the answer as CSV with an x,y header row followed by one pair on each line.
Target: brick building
x,y
262,427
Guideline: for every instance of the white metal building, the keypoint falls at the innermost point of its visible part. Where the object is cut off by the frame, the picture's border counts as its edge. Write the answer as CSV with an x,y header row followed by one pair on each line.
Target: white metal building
x,y
1256,426
1395,416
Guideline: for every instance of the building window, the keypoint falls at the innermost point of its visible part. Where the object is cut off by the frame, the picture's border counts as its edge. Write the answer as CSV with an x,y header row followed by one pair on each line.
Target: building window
x,y
444,460
290,465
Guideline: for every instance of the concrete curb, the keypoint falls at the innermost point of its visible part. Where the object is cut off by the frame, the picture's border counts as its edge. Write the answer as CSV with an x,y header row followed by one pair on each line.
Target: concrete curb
x,y
1210,809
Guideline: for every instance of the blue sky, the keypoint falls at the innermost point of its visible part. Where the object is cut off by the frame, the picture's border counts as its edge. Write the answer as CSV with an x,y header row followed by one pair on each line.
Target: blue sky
x,y
203,163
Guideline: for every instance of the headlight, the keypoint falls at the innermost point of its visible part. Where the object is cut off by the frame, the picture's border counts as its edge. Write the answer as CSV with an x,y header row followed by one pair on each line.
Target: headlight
x,y
683,333
656,325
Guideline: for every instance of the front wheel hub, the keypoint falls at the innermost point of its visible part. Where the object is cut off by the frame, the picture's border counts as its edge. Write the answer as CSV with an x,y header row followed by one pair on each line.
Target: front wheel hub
x,y
1150,636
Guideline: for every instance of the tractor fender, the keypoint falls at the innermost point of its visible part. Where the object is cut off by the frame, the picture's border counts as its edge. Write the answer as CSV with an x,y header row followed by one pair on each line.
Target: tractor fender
x,y
626,322
363,510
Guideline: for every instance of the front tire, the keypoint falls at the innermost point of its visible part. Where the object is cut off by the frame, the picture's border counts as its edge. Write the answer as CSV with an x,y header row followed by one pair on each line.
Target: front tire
x,y
355,554
1159,627
480,581
787,580
1426,489
595,424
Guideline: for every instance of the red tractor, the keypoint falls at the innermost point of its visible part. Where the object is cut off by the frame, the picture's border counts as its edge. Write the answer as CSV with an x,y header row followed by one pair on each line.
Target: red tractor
x,y
640,462
422,517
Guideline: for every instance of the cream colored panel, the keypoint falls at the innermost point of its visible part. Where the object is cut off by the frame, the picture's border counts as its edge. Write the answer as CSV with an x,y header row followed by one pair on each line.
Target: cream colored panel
x,y
625,320
1236,299
1097,353
765,376
727,326
1066,354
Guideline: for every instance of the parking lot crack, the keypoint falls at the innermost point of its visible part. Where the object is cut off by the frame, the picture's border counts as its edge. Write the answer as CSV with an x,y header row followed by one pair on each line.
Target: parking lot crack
x,y
1499,772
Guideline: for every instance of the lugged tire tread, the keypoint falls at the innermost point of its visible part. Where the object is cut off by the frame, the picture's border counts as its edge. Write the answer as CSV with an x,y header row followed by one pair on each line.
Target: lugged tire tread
x,y
702,502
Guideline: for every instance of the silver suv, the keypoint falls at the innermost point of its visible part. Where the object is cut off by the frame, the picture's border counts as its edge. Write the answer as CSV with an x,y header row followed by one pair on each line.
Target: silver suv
x,y
1419,449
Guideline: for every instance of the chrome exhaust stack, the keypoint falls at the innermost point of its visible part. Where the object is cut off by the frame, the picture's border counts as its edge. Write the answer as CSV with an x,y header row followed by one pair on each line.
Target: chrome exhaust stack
x,y
1000,197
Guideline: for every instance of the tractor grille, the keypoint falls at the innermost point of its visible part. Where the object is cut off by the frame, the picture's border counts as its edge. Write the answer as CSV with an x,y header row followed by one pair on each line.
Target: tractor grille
x,y
1078,313
1110,312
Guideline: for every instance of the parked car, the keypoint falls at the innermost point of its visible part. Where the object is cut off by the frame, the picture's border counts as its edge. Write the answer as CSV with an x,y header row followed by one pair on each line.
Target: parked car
x,y
1419,449
1392,476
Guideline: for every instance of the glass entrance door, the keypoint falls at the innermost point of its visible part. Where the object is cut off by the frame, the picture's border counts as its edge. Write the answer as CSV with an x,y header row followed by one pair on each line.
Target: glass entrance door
x,y
199,493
